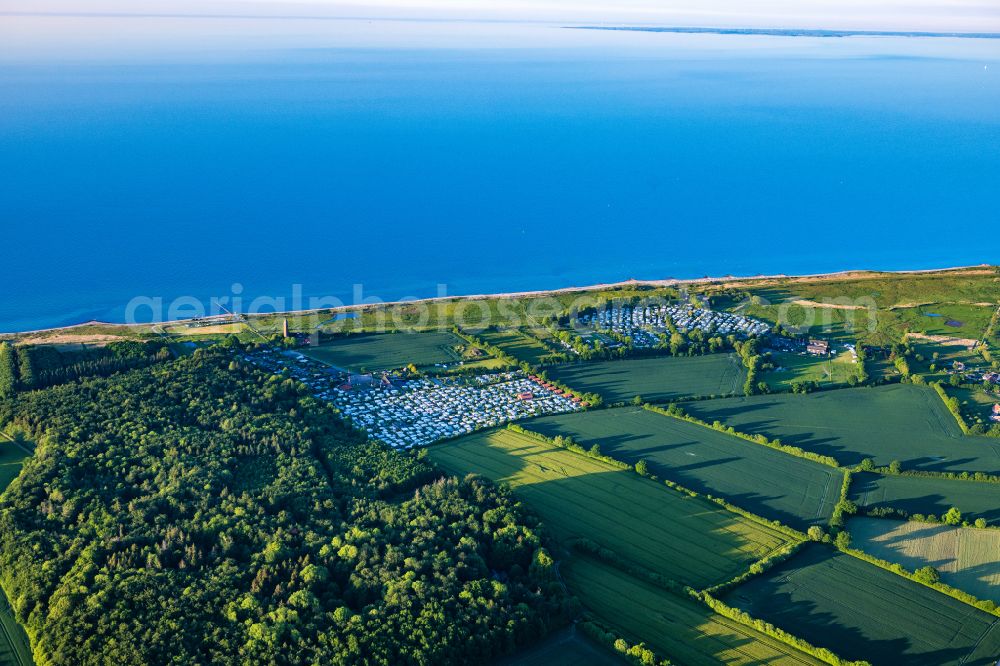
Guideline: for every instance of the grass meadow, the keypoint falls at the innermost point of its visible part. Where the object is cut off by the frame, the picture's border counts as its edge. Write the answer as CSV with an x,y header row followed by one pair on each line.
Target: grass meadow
x,y
655,379
794,367
861,611
389,351
517,344
683,538
761,480
11,459
976,404
896,422
965,557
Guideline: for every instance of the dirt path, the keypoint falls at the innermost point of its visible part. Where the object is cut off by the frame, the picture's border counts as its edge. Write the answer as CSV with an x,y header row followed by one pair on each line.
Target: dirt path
x,y
945,340
831,306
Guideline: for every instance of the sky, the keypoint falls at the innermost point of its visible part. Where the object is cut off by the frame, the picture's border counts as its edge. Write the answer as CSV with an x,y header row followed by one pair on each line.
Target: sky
x,y
923,15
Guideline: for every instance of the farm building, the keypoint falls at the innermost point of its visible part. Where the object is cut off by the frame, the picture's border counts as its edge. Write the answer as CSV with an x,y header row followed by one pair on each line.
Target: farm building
x,y
818,347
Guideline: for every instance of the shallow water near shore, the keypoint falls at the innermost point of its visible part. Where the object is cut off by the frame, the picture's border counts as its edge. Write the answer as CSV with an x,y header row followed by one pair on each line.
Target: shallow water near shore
x,y
481,157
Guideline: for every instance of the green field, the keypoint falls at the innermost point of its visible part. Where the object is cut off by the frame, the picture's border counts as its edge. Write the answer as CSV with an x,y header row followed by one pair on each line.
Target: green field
x,y
680,628
927,495
860,611
793,367
517,344
966,558
14,647
389,351
11,459
683,538
897,422
655,379
761,480
568,647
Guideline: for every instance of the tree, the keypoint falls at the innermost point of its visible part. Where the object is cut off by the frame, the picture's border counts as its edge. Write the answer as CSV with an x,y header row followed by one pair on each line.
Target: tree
x,y
895,467
843,540
26,366
928,575
815,533
8,370
642,468
542,567
847,507
952,517
980,523
291,525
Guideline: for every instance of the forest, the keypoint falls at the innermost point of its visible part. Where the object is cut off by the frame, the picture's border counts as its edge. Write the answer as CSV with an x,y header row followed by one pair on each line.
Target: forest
x,y
203,511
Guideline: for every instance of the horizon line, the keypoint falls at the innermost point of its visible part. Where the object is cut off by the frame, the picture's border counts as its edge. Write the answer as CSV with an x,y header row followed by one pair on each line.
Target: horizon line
x,y
635,27
789,32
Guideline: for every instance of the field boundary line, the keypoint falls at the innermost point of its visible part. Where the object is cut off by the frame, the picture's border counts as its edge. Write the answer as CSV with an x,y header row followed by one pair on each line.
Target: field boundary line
x,y
670,535
982,637
759,440
988,607
3,433
775,525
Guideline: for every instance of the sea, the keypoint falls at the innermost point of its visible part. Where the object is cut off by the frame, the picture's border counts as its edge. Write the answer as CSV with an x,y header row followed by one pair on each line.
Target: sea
x,y
149,164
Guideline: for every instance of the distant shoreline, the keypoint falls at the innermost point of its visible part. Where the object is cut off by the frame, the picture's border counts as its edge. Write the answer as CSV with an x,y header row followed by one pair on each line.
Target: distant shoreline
x,y
667,282
791,32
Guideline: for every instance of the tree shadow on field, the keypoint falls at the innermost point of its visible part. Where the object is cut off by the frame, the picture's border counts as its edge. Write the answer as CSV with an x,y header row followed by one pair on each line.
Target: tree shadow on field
x,y
841,624
980,577
687,462
898,543
671,624
685,539
927,503
616,445
710,410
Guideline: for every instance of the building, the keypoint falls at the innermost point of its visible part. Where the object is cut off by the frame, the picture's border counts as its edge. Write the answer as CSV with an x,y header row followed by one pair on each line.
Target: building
x,y
996,413
818,347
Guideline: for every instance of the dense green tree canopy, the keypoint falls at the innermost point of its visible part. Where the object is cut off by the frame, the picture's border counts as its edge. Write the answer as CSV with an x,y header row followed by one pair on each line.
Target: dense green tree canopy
x,y
203,511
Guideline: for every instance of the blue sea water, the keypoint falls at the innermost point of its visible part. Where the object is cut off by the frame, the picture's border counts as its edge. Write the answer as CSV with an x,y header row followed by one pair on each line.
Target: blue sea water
x,y
534,157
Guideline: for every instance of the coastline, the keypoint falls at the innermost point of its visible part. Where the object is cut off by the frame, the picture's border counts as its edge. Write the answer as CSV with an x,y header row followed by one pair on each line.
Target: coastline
x,y
724,280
